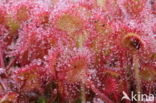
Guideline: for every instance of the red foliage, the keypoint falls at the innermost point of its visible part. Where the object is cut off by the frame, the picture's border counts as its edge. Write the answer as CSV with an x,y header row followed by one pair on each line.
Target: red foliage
x,y
135,7
76,50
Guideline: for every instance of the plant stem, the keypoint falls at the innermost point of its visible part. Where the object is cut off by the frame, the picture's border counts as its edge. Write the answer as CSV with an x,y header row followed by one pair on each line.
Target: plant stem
x,y
98,93
12,61
83,95
1,58
136,73
2,84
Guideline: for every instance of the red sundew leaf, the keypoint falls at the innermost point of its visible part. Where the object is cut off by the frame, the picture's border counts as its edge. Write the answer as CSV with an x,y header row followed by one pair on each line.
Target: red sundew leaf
x,y
105,47
115,11
69,91
99,93
3,33
100,3
100,31
112,88
108,82
153,3
26,10
72,72
29,78
134,7
13,25
95,41
69,19
130,39
147,56
69,23
75,67
9,25
41,14
19,12
101,23
3,14
147,52
42,17
103,28
72,21
148,87
54,2
33,43
133,41
10,97
148,74
22,13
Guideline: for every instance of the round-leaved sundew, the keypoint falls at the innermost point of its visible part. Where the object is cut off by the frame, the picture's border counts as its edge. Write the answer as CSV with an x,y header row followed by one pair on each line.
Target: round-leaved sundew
x,y
135,7
132,41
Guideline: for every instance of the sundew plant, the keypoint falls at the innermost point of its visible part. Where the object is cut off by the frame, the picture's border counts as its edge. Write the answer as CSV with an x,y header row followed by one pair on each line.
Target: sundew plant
x,y
77,51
